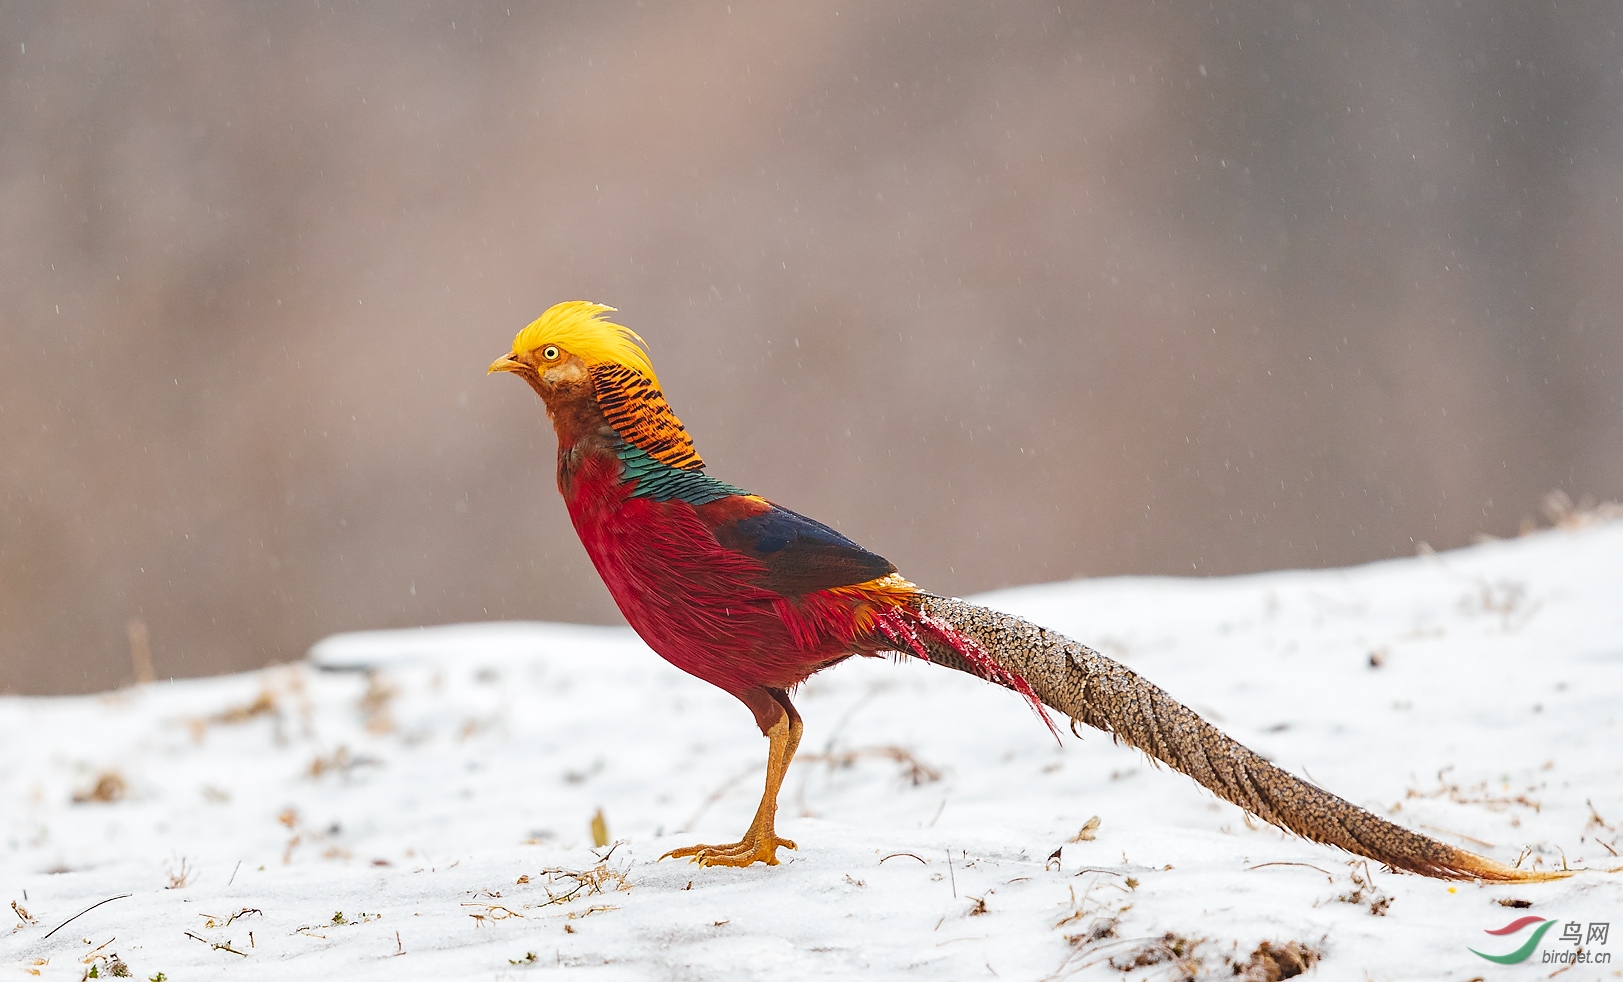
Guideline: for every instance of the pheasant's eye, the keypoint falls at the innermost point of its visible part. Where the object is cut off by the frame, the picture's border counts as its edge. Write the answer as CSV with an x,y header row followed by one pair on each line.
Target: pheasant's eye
x,y
550,352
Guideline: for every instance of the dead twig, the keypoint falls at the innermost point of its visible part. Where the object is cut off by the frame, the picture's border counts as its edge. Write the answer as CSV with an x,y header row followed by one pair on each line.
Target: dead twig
x,y
599,909
86,911
895,854
590,882
1326,873
217,945
212,919
491,912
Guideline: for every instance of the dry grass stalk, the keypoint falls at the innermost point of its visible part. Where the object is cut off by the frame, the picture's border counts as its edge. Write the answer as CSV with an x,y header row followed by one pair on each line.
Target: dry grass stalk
x,y
914,771
1101,924
218,945
600,909
491,912
583,883
377,703
215,921
181,877
264,704
109,787
340,761
1088,832
141,651
1563,513
1477,794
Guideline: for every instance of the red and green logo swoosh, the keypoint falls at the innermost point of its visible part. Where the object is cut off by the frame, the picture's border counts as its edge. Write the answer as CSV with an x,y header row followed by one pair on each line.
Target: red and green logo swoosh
x,y
1515,927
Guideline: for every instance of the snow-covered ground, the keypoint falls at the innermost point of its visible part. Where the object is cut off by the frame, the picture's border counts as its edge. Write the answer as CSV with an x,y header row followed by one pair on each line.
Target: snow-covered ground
x,y
418,804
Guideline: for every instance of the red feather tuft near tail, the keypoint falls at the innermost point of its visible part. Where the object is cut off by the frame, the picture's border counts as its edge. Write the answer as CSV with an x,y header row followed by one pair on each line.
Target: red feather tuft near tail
x,y
900,626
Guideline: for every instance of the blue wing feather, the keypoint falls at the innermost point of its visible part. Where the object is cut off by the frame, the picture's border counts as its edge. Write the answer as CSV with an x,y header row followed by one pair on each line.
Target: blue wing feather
x,y
801,555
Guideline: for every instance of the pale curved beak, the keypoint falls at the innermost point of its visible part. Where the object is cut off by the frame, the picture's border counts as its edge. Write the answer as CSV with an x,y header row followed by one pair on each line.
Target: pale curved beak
x,y
506,363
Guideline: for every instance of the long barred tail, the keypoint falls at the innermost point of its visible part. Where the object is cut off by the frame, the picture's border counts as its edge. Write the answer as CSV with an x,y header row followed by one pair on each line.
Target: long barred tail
x,y
1087,686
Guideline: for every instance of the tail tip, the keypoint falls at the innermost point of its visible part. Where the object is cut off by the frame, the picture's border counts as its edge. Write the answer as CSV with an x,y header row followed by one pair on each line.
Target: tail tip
x,y
1482,868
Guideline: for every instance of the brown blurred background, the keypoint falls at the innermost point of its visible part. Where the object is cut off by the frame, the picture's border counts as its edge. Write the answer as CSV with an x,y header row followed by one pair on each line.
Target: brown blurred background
x,y
1009,293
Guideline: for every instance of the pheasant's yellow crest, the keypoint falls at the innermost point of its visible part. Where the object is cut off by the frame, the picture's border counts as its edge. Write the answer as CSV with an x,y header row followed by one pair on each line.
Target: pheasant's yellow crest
x,y
578,327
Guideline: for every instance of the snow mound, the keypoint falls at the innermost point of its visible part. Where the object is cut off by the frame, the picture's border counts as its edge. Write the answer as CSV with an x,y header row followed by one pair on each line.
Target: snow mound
x,y
418,804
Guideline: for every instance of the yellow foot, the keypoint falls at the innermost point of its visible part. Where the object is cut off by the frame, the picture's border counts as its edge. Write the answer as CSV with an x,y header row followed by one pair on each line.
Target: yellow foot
x,y
754,849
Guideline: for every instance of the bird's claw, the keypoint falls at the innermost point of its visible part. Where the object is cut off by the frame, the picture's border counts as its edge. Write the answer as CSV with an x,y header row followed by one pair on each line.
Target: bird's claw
x,y
753,849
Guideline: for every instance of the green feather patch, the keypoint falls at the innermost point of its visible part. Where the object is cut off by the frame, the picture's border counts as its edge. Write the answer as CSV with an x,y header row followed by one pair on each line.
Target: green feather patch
x,y
662,482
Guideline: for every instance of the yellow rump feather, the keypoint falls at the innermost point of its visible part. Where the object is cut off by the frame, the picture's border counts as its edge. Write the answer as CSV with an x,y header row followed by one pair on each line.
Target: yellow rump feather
x,y
578,327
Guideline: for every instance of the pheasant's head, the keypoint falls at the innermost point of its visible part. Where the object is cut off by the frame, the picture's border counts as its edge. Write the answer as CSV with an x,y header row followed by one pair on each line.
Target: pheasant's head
x,y
591,371
563,345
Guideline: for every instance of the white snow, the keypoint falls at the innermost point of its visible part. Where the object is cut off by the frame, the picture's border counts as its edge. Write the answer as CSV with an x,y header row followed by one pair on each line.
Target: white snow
x,y
412,779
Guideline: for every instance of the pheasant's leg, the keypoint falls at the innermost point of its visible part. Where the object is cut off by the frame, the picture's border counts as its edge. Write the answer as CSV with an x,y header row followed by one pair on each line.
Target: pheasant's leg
x,y
761,842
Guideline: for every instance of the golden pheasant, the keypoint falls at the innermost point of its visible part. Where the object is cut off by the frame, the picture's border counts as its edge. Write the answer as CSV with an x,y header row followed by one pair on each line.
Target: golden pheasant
x,y
754,598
